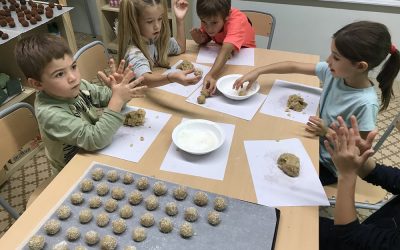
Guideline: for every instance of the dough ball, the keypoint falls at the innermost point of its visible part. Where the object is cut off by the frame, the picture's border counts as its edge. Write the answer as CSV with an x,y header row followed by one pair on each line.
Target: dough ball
x,y
289,164
242,92
63,212
102,189
80,248
191,214
112,176
198,72
201,99
180,193
102,219
142,183
60,246
118,226
186,230
126,212
111,205
159,188
85,216
171,208
95,202
147,220
135,197
97,174
135,118
296,103
92,237
108,243
118,193
127,178
205,93
139,234
220,204
185,65
86,185
151,202
77,198
36,242
130,248
73,233
213,218
52,227
165,225
200,198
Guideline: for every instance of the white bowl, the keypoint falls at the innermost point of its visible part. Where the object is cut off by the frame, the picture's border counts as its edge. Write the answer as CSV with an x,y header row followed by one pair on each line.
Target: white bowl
x,y
198,136
225,84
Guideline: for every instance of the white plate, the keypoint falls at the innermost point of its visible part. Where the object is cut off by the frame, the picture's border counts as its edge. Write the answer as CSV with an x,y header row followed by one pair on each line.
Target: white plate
x,y
198,136
225,84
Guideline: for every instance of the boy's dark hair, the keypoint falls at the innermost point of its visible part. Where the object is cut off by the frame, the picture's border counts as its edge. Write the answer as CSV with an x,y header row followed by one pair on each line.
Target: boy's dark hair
x,y
33,53
211,8
370,42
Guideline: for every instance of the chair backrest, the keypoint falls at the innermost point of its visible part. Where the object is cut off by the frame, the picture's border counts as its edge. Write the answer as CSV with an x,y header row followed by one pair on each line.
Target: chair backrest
x,y
91,58
263,24
18,126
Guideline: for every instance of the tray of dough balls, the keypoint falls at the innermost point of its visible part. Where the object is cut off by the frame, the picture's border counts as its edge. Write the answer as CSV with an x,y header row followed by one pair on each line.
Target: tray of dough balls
x,y
110,208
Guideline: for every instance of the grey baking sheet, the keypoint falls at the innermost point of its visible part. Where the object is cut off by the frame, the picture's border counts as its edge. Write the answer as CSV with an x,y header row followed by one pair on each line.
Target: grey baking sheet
x,y
243,225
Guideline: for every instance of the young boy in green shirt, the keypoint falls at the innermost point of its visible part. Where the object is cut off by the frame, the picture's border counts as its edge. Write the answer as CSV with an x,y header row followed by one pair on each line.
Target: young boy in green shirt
x,y
66,105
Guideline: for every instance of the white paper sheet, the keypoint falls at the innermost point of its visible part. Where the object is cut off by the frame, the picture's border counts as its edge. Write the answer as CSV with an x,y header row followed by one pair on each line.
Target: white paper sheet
x,y
273,187
211,165
209,53
179,89
131,143
275,104
244,109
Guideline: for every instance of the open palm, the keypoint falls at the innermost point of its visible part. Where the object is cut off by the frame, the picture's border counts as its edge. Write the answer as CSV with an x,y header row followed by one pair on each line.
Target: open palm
x,y
180,8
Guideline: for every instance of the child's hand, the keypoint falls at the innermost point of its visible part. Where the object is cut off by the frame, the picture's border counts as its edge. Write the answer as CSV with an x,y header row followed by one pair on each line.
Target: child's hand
x,y
316,126
125,90
117,73
209,83
198,36
250,77
182,78
180,8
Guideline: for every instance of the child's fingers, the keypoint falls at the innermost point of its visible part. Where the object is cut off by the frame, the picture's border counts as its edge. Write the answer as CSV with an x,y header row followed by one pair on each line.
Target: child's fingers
x,y
121,66
137,81
111,64
189,71
329,148
103,76
238,83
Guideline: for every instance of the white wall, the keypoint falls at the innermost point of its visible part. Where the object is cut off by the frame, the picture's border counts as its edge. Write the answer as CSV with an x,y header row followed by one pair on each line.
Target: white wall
x,y
80,16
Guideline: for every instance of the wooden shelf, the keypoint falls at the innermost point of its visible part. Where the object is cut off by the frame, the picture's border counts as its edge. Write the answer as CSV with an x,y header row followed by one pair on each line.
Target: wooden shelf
x,y
21,97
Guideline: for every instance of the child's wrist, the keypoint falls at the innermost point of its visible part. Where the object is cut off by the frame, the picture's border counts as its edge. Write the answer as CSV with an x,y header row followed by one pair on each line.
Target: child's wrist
x,y
169,77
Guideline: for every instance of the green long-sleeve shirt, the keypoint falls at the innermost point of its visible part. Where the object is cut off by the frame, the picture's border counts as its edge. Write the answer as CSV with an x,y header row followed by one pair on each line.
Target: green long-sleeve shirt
x,y
68,125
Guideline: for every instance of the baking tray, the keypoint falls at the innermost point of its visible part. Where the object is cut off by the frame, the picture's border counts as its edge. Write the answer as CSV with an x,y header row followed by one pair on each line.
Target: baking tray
x,y
244,225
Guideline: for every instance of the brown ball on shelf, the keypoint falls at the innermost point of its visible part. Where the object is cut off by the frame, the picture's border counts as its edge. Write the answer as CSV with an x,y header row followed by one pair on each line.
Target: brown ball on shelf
x,y
4,36
22,2
2,13
12,7
9,19
40,6
21,19
40,11
28,16
11,24
5,7
3,23
1,32
38,18
20,14
49,14
25,23
51,5
59,6
27,11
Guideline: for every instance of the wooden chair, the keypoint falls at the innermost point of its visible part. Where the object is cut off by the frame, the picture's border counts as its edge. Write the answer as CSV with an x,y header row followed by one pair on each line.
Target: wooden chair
x,y
263,24
91,58
19,133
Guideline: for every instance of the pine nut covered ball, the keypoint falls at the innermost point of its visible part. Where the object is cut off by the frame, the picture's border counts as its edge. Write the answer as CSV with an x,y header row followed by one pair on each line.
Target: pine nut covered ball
x,y
80,248
171,208
220,204
102,219
130,248
213,218
159,188
126,212
186,230
85,216
200,198
97,174
92,237
108,243
139,234
118,226
110,205
36,242
60,246
165,225
77,198
128,178
151,202
180,193
52,227
147,220
95,202
102,189
73,233
63,212
118,193
112,176
135,197
86,185
191,214
142,183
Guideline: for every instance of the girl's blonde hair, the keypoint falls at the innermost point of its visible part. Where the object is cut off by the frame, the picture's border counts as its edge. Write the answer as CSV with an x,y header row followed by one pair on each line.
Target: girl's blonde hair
x,y
129,32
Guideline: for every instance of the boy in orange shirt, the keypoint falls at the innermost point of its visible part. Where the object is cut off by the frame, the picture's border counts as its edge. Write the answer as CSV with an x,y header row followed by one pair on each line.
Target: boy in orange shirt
x,y
224,25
